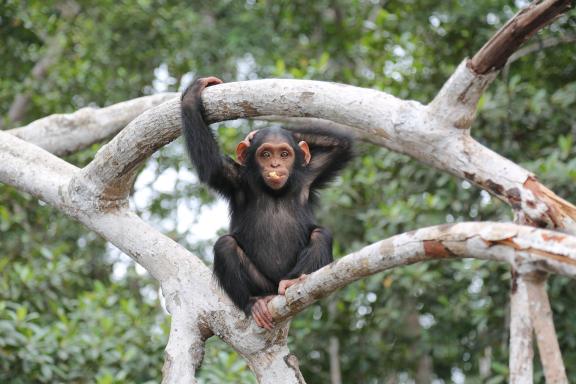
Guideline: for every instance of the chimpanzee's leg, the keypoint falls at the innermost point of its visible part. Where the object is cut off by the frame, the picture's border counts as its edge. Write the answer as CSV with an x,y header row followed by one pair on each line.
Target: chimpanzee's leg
x,y
317,254
237,275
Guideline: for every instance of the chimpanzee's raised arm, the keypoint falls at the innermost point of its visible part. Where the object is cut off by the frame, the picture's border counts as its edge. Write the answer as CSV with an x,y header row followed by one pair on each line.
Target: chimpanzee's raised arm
x,y
330,154
219,172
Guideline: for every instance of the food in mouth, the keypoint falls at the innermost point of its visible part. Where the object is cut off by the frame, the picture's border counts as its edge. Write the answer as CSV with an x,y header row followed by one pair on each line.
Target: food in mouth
x,y
273,175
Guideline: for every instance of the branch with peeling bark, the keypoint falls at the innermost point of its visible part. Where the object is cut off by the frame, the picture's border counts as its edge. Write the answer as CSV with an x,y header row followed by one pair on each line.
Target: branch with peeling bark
x,y
63,134
495,53
525,248
97,192
437,134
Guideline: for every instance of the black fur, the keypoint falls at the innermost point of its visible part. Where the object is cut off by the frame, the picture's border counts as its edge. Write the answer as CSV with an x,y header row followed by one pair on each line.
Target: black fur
x,y
273,235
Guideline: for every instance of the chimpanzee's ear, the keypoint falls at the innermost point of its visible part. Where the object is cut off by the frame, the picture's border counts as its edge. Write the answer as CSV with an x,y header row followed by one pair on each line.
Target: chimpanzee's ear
x,y
307,155
241,151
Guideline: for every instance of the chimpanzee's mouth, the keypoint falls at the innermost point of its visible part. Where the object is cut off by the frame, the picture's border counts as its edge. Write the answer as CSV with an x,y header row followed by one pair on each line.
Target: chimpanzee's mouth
x,y
274,175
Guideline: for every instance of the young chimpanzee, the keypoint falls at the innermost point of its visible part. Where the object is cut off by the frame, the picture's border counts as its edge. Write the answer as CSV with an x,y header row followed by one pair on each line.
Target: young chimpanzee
x,y
273,240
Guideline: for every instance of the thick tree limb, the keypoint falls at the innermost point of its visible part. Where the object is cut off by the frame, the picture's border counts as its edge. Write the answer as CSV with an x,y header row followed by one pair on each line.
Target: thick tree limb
x,y
200,309
533,316
437,134
114,166
525,248
33,170
457,100
494,54
403,126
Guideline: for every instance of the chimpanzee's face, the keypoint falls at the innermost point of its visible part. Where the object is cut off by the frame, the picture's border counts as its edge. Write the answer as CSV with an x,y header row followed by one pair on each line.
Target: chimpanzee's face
x,y
275,158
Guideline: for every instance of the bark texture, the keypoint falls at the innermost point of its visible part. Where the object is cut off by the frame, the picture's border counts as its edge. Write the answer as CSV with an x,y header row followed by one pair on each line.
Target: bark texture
x,y
437,134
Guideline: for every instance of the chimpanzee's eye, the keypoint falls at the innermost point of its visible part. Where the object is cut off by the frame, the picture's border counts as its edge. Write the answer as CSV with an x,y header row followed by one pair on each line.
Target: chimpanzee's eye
x,y
284,154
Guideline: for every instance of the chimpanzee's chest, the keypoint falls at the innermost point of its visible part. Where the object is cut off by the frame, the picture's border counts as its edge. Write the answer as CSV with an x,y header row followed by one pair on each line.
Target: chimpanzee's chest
x,y
272,232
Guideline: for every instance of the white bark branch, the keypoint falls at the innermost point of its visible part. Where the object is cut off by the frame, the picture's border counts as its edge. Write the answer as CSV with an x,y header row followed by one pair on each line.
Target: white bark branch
x,y
525,248
33,170
403,126
113,168
437,134
543,323
199,308
456,102
97,195
406,127
185,349
63,134
521,328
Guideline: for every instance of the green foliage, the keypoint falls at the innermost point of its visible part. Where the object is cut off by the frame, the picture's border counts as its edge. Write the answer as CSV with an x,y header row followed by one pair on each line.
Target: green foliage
x,y
61,318
64,319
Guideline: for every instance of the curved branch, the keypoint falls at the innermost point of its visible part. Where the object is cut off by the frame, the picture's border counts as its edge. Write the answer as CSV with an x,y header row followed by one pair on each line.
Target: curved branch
x,y
521,329
111,173
494,54
424,133
525,248
543,323
33,170
62,134
456,102
403,126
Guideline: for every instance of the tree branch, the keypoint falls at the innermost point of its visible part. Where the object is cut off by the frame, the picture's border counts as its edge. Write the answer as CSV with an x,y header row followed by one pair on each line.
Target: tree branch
x,y
33,170
403,126
521,328
525,248
494,54
457,100
62,134
543,323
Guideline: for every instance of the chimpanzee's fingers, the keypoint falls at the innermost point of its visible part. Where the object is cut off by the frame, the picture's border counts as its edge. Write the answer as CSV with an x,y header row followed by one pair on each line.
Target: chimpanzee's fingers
x,y
261,315
211,80
259,321
282,287
256,317
250,136
266,313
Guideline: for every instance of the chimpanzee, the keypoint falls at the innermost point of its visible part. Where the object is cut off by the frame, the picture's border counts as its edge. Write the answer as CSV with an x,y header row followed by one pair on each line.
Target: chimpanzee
x,y
273,241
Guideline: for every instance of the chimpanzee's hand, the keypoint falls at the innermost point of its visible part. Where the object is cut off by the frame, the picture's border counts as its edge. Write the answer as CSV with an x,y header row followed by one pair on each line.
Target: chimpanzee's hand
x,y
248,139
285,284
243,146
250,136
209,81
261,314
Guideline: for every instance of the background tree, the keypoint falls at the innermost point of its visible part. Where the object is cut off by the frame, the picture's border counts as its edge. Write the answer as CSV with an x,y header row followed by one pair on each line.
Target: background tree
x,y
451,316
